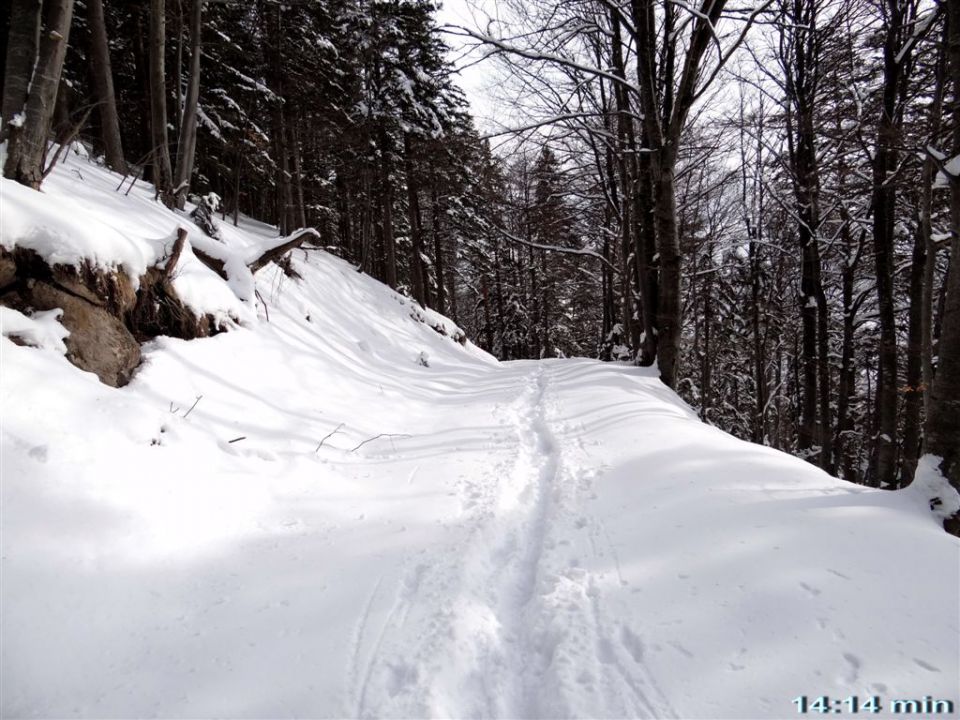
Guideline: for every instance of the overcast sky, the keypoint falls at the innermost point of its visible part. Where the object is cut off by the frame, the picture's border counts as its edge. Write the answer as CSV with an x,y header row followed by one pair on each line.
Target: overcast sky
x,y
474,79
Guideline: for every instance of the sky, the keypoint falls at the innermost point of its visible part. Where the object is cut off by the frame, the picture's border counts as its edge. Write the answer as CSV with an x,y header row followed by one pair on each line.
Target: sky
x,y
476,74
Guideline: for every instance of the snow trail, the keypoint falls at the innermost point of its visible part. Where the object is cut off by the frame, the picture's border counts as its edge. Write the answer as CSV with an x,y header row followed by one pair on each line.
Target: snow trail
x,y
509,623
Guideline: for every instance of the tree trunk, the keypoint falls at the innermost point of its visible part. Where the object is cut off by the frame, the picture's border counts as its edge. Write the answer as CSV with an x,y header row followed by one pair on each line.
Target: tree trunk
x,y
27,144
669,305
416,234
438,259
942,437
101,71
386,217
300,211
23,41
162,172
187,147
884,200
919,350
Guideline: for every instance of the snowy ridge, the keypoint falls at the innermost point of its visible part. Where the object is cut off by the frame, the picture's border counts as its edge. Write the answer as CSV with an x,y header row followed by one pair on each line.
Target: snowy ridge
x,y
300,518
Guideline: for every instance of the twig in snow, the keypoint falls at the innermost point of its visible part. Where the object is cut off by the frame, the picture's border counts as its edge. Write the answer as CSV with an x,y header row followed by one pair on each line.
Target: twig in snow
x,y
242,437
328,436
375,437
265,309
199,398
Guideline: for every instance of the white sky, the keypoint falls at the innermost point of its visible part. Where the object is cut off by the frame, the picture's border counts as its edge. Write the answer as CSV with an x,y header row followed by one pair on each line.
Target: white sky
x,y
476,80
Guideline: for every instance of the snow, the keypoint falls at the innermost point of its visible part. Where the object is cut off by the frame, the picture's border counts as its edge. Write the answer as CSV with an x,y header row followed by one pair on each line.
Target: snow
x,y
531,539
42,330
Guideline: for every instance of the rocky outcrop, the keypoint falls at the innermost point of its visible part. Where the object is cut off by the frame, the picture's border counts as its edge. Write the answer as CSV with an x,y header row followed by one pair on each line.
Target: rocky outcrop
x,y
99,341
106,317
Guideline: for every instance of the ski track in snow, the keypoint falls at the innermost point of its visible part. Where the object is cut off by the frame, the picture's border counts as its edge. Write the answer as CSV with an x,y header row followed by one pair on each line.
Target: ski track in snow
x,y
505,622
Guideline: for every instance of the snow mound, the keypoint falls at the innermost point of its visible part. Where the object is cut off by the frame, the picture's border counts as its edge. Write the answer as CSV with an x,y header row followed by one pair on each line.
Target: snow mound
x,y
42,330
337,510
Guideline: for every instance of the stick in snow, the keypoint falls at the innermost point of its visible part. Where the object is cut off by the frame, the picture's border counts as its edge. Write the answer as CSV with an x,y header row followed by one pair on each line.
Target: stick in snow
x,y
328,436
375,437
199,398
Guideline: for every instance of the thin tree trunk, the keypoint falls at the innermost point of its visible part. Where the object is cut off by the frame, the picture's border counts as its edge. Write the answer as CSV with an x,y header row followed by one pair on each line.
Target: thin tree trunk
x,y
919,350
187,147
300,213
884,206
386,217
416,234
101,71
438,259
163,174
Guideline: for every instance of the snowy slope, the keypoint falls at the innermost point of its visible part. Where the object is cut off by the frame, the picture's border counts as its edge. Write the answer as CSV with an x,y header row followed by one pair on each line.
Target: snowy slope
x,y
532,539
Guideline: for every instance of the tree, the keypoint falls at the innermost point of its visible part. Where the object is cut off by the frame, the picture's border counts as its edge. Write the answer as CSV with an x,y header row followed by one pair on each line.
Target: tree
x,y
187,146
942,439
163,174
29,125
102,76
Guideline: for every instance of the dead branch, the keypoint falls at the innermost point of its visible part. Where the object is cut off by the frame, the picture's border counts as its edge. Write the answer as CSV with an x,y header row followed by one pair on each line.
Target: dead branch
x,y
275,253
211,262
199,398
266,310
328,436
376,437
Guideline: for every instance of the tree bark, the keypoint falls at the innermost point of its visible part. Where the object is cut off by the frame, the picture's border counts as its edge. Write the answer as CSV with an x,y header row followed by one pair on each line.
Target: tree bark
x,y
416,234
919,348
438,259
187,145
883,465
942,436
163,174
27,143
23,41
101,71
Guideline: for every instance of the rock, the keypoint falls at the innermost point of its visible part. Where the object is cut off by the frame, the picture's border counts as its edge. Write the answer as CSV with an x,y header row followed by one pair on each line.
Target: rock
x,y
99,342
8,269
106,317
111,289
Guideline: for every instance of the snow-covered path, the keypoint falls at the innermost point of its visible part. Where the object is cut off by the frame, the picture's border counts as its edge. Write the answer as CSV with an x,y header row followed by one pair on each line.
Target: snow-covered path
x,y
470,539
505,620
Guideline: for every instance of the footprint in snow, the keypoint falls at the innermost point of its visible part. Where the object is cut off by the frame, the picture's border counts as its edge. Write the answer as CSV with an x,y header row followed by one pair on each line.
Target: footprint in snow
x,y
853,670
38,453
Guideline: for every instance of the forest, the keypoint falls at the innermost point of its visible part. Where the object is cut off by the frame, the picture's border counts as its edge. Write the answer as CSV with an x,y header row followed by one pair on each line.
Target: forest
x,y
488,359
763,200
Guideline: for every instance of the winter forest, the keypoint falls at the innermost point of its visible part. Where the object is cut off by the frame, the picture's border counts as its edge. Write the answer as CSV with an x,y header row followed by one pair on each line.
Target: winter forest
x,y
465,270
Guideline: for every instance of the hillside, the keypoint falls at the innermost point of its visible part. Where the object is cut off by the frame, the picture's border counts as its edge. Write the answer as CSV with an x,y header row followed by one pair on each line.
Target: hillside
x,y
333,509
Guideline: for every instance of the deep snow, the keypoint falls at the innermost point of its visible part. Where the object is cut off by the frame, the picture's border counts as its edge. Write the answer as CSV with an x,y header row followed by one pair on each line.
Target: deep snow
x,y
533,539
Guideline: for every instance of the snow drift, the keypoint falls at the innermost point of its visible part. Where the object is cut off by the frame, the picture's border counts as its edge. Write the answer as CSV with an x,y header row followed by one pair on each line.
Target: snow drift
x,y
342,512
